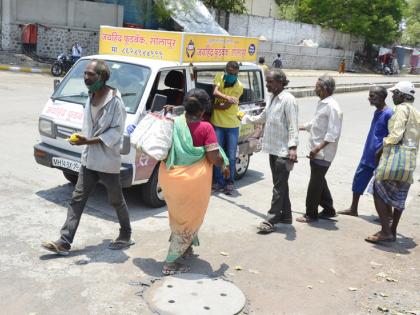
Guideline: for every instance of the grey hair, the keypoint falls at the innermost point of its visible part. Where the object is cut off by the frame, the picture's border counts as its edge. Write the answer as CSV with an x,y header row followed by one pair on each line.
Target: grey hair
x,y
380,90
279,76
327,83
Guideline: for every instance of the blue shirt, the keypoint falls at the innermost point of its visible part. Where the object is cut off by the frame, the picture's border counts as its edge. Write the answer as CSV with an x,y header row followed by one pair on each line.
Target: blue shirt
x,y
377,132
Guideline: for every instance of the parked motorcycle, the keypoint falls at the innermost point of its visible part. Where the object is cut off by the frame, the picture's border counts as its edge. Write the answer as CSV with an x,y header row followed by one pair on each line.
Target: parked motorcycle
x,y
387,69
63,64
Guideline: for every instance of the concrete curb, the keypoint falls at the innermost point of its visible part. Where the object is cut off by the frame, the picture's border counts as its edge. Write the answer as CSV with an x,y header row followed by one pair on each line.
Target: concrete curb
x,y
306,92
24,69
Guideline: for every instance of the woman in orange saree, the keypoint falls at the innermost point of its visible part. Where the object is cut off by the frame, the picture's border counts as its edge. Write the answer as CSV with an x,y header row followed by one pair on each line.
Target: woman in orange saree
x,y
186,177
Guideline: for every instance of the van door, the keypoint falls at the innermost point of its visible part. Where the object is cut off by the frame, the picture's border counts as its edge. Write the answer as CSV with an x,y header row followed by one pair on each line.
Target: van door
x,y
251,102
172,84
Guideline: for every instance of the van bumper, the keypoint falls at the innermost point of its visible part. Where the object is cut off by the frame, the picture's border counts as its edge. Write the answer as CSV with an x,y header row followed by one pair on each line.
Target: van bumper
x,y
44,154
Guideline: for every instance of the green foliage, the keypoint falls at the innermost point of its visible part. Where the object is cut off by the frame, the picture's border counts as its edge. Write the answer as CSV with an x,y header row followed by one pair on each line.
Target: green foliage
x,y
231,6
411,35
377,20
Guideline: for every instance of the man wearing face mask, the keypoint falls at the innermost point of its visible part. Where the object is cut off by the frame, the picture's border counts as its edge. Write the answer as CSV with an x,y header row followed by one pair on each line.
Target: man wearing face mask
x,y
103,126
227,91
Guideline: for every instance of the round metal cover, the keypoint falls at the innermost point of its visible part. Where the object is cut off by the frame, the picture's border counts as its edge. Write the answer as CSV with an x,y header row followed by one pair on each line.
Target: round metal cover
x,y
195,294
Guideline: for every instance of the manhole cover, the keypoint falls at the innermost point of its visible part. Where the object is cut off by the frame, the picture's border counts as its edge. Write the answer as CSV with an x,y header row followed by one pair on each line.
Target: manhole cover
x,y
195,294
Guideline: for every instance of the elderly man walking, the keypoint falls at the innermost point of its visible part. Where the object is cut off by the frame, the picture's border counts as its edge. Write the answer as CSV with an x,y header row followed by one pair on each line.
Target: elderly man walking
x,y
378,130
281,137
324,130
103,126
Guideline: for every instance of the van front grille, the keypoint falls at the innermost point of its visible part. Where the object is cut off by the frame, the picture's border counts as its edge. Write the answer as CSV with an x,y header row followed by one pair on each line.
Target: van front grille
x,y
65,132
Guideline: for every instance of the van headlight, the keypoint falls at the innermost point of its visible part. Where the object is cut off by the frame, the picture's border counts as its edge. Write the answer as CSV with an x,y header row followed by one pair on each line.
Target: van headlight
x,y
46,128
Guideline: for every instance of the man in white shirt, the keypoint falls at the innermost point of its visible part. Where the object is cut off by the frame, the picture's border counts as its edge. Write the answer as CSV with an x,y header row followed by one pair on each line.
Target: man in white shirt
x,y
76,51
281,137
325,130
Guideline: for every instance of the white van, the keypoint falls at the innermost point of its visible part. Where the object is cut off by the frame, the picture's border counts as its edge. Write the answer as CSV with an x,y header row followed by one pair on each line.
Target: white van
x,y
139,80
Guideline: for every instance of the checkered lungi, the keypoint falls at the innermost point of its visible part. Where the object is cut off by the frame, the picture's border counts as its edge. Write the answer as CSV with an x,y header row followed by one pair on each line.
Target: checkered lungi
x,y
393,193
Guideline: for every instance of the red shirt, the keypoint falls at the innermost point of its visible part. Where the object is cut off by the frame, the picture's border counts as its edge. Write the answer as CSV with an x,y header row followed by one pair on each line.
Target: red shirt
x,y
203,134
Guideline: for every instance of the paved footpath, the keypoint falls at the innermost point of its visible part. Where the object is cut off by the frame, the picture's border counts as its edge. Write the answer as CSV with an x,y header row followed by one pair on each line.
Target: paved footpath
x,y
324,268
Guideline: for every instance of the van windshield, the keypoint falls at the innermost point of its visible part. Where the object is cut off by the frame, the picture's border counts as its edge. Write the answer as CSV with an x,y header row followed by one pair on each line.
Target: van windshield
x,y
129,79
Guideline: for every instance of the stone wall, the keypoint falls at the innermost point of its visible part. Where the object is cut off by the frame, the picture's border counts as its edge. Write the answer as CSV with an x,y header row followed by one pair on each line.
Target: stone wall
x,y
54,40
60,23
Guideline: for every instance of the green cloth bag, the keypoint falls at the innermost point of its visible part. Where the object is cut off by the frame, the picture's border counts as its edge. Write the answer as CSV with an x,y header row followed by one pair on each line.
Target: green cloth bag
x,y
397,163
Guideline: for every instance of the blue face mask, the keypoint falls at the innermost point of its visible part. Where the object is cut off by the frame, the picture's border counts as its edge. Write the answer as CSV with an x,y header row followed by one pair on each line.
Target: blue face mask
x,y
230,78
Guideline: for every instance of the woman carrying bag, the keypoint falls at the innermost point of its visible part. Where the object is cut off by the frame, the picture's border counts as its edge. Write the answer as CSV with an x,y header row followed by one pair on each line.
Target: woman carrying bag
x,y
186,176
394,174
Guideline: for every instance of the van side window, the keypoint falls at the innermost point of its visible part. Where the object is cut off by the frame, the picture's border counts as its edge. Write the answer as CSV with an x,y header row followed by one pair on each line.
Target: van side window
x,y
170,83
252,82
250,79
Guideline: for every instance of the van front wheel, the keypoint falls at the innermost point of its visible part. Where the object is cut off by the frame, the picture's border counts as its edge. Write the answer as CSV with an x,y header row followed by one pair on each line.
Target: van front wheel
x,y
72,178
151,192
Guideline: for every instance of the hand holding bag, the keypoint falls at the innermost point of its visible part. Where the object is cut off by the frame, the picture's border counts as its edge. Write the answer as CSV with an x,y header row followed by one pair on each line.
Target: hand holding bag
x,y
153,135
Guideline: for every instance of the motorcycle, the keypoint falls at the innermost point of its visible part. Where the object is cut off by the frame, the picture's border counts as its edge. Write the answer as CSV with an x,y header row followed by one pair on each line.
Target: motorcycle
x,y
62,65
387,69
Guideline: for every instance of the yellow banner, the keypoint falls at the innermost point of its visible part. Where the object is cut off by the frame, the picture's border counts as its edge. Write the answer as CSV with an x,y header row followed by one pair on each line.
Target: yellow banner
x,y
174,46
208,48
140,43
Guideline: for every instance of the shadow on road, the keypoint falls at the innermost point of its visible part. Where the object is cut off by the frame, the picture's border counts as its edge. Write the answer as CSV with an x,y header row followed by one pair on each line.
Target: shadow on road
x,y
94,254
153,268
402,246
288,230
98,205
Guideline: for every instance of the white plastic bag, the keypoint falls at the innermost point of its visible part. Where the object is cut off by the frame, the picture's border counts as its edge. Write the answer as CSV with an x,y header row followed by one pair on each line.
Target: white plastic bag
x,y
153,135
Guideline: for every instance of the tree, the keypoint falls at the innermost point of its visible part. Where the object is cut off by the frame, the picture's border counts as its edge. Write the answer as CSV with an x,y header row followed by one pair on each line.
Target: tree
x,y
231,6
288,9
411,34
377,20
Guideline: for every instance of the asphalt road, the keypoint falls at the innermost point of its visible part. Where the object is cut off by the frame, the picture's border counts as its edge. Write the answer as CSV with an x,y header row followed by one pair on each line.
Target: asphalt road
x,y
300,269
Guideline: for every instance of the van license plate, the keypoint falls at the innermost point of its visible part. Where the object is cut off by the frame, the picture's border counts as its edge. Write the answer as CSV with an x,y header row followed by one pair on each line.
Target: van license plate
x,y
64,163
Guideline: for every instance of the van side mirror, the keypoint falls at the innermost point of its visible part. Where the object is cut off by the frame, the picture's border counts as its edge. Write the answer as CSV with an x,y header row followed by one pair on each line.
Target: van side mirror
x,y
56,84
125,146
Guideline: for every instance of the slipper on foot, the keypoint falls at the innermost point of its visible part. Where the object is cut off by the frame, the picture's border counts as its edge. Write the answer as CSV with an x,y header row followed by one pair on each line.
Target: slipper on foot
x,y
55,248
377,239
174,268
266,228
306,219
121,244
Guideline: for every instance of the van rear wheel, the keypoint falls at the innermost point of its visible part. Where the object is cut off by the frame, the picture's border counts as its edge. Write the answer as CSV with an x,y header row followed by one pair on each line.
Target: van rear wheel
x,y
242,163
71,177
151,192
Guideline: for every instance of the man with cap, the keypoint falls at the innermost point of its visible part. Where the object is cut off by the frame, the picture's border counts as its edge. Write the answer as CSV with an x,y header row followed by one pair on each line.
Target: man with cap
x,y
404,130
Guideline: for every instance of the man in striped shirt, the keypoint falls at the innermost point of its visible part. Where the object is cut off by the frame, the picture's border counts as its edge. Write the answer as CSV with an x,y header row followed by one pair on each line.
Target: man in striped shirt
x,y
281,137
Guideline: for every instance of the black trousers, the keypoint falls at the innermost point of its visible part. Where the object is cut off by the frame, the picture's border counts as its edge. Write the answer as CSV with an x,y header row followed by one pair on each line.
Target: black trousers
x,y
85,184
318,192
280,203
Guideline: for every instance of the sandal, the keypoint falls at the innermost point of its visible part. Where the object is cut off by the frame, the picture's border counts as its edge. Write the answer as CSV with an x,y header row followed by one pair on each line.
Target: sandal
x,y
174,268
266,227
120,244
188,253
306,219
56,248
326,215
377,238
